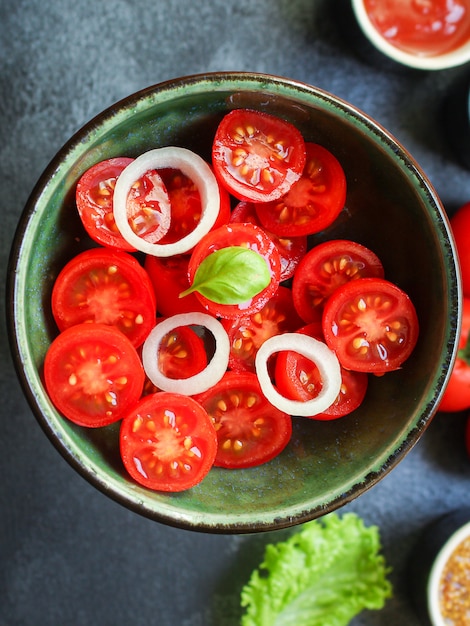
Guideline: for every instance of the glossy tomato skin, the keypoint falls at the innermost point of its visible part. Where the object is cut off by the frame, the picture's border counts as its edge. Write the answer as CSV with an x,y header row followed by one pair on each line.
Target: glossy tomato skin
x,y
297,378
246,235
324,268
94,199
460,224
371,325
169,277
93,374
186,206
457,393
257,156
107,287
167,442
313,202
250,431
291,249
247,333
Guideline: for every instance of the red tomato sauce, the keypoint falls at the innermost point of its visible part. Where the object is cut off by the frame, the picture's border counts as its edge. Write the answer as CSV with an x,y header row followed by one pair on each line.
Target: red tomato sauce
x,y
422,27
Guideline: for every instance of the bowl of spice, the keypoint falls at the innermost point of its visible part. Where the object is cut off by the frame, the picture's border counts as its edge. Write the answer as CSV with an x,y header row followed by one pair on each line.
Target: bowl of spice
x,y
440,571
421,34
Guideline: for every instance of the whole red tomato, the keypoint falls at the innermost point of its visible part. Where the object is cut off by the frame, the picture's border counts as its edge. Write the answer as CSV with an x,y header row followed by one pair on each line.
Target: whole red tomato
x,y
460,224
457,394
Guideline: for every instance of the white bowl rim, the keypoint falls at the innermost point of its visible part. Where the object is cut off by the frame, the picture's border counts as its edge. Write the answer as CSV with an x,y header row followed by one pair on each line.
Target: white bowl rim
x,y
440,561
454,58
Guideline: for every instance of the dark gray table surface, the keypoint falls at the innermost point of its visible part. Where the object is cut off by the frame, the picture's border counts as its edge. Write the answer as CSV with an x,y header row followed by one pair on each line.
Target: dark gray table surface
x,y
68,554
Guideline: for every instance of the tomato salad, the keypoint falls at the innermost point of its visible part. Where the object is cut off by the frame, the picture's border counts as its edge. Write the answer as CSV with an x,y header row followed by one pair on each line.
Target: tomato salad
x,y
224,326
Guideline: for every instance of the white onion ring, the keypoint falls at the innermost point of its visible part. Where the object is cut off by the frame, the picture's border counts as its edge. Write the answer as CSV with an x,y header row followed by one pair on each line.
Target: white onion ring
x,y
193,166
313,349
201,381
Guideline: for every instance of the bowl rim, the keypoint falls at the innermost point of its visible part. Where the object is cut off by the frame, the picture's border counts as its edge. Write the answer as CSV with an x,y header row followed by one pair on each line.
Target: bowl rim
x,y
433,583
453,58
219,524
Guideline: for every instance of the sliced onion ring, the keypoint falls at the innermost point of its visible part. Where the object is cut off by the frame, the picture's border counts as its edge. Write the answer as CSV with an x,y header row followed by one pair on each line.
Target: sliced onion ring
x,y
200,382
313,349
193,166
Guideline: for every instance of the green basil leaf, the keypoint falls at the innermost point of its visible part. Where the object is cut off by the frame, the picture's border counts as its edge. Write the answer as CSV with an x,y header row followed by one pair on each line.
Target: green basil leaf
x,y
231,276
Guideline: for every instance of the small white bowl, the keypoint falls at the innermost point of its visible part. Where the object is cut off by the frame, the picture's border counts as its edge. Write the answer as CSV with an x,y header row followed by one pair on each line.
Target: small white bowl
x,y
435,575
454,58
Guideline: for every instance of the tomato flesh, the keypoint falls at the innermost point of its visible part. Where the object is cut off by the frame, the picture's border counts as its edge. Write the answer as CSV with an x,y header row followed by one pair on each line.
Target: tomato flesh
x,y
186,208
106,287
93,374
298,378
257,156
243,235
250,431
247,333
291,249
313,202
327,266
94,198
167,442
182,353
371,324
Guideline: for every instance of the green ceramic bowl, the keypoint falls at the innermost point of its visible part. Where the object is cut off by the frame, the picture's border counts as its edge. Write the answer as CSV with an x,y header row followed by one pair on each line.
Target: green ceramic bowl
x,y
391,208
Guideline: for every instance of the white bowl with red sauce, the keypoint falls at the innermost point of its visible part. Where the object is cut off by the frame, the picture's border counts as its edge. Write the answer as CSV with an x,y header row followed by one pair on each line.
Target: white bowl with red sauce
x,y
421,34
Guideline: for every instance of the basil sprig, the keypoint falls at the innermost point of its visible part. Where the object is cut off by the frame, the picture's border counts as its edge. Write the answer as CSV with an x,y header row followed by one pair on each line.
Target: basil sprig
x,y
230,276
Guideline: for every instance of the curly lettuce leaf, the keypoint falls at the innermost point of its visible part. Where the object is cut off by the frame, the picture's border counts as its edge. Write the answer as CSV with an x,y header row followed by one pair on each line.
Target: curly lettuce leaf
x,y
323,575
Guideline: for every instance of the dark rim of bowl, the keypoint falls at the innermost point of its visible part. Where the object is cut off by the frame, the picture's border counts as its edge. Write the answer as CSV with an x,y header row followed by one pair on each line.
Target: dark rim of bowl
x,y
235,526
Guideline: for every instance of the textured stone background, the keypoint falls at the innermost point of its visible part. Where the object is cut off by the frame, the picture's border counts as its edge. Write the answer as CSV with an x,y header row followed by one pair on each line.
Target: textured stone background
x,y
68,554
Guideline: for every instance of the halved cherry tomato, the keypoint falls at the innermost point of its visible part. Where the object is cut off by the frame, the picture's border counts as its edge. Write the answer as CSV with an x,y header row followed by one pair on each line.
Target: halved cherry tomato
x,y
250,431
243,235
167,442
93,374
291,249
185,202
107,287
460,224
94,198
457,393
327,266
247,333
371,325
182,353
148,207
298,378
257,156
313,202
169,276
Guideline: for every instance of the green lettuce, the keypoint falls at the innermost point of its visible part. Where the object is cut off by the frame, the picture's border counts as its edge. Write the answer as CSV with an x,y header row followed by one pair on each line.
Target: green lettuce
x,y
323,575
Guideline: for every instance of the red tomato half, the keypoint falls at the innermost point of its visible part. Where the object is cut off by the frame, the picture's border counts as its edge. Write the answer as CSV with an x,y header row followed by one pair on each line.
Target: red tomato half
x,y
371,325
327,266
169,276
168,442
298,378
106,287
313,202
185,202
257,156
244,235
94,197
460,224
247,333
457,393
93,374
291,249
250,431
